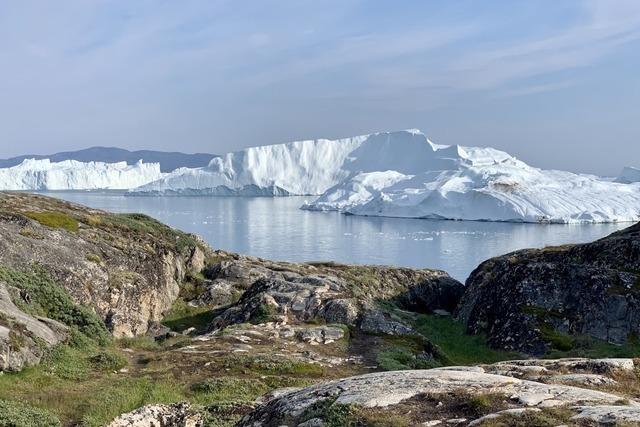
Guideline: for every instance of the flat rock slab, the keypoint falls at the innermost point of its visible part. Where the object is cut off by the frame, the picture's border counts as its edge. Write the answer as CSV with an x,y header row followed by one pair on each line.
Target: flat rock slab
x,y
390,388
608,414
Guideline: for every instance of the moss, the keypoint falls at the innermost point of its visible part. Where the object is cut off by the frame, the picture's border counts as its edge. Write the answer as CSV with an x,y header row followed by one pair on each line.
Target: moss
x,y
145,225
54,220
120,278
557,341
16,414
49,299
31,233
263,314
541,313
94,258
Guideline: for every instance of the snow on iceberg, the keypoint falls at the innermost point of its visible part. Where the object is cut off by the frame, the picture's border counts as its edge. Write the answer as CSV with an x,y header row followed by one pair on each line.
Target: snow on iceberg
x,y
471,183
296,168
628,175
403,174
43,174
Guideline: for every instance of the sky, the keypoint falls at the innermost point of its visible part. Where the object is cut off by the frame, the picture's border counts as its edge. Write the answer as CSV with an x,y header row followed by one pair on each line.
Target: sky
x,y
555,83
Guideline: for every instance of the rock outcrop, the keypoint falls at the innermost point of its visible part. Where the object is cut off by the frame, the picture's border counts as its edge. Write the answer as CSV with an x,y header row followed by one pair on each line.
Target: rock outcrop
x,y
126,268
24,338
175,415
445,396
539,299
288,293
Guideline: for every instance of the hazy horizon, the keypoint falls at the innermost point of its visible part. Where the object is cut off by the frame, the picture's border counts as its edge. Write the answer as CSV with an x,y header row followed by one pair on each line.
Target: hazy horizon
x,y
554,84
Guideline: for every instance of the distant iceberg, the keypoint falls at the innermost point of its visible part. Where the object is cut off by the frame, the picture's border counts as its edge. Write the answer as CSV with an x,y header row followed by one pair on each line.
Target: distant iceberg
x,y
404,174
628,175
43,174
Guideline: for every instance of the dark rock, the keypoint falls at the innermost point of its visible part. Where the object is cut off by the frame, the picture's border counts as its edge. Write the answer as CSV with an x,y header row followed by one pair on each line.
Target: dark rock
x,y
534,300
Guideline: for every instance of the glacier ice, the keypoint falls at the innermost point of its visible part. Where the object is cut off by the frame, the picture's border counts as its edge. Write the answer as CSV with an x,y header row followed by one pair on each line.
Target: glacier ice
x,y
43,174
628,175
404,174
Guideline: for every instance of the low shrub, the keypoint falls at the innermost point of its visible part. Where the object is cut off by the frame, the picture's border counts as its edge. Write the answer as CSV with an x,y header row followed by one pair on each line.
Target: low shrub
x,y
15,414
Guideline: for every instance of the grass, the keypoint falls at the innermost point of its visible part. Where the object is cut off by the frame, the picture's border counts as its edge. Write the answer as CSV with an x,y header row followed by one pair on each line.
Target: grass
x,y
16,414
565,345
263,365
78,384
228,389
585,346
138,343
183,316
405,352
458,347
548,417
54,220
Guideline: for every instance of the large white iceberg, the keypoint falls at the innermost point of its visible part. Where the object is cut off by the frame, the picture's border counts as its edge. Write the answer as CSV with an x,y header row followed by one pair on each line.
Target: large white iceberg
x,y
43,174
403,174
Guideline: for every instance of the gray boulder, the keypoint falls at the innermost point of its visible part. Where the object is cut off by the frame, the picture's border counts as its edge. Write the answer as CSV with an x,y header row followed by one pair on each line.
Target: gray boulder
x,y
24,338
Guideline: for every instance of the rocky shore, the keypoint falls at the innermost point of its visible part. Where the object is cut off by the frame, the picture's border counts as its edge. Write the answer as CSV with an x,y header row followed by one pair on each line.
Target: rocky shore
x,y
129,322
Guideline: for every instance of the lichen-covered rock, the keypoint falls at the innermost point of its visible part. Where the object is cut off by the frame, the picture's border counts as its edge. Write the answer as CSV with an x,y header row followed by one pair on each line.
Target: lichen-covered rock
x,y
532,300
24,338
396,389
127,268
331,293
175,415
609,415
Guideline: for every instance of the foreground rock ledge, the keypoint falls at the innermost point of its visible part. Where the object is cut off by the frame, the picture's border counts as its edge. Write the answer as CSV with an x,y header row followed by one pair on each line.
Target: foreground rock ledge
x,y
386,389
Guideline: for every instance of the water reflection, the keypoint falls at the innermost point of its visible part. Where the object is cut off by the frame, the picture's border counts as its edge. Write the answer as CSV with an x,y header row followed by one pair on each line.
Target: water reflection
x,y
275,228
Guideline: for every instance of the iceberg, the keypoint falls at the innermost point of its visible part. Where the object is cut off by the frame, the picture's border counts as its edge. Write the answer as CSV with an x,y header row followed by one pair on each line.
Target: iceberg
x,y
628,175
43,174
404,174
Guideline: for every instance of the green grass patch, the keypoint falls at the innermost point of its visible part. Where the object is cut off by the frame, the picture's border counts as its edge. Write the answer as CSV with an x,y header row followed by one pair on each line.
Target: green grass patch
x,y
183,316
54,220
228,389
264,365
128,394
406,352
585,346
457,346
106,360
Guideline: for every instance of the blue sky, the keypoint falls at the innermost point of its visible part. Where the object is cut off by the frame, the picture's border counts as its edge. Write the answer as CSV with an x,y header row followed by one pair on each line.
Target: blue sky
x,y
555,83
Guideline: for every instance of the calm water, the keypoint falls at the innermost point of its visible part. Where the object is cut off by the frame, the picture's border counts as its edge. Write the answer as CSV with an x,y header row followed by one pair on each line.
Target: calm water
x,y
275,228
